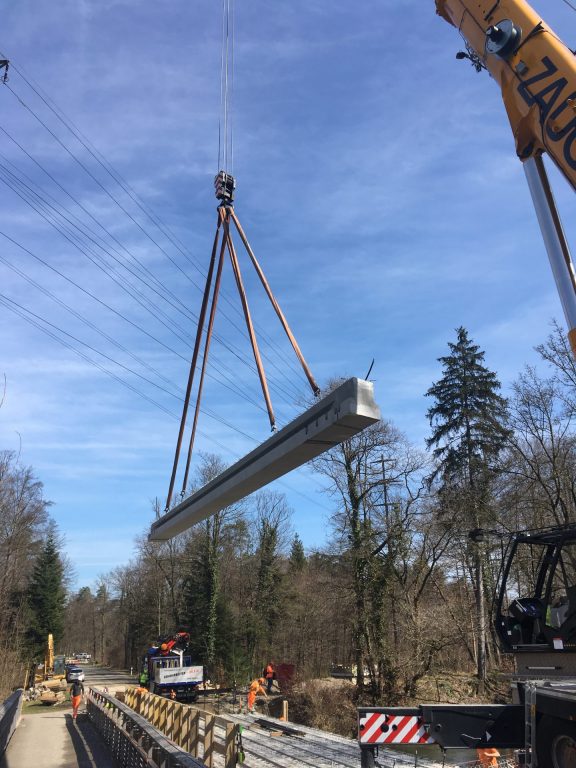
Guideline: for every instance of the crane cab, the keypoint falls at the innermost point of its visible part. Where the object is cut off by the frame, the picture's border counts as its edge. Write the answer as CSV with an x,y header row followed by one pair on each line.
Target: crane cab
x,y
536,602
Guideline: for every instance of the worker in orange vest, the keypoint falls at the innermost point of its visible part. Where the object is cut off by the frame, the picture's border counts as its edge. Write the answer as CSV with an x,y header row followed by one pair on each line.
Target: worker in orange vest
x,y
255,689
488,757
269,674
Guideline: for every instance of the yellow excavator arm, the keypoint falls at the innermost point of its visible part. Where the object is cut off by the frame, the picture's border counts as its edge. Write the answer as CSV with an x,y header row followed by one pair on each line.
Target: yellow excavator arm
x,y
536,72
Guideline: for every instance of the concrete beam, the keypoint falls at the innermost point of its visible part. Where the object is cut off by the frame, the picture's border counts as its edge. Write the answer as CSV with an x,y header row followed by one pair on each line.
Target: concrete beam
x,y
340,415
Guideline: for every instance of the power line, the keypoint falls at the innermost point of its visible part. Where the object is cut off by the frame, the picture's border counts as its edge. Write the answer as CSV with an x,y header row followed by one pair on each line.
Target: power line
x,y
125,286
121,365
124,318
101,160
165,294
36,321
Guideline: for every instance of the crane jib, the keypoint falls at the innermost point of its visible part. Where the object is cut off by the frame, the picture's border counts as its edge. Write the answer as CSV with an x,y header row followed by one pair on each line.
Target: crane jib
x,y
551,97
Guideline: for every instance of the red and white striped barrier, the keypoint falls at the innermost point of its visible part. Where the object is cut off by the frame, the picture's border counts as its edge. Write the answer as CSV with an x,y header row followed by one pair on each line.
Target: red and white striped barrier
x,y
378,728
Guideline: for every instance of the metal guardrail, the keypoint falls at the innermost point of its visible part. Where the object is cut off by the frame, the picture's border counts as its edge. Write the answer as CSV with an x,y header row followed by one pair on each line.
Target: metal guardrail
x,y
133,742
9,716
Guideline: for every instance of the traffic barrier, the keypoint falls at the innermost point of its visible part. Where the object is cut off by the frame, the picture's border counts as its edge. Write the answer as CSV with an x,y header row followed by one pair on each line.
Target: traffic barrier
x,y
191,728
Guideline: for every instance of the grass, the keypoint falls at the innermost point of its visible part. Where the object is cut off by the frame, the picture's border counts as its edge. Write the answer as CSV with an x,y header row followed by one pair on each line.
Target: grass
x,y
34,707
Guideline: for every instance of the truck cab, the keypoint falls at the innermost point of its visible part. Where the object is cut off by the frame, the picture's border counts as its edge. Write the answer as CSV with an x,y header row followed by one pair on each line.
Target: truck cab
x,y
170,669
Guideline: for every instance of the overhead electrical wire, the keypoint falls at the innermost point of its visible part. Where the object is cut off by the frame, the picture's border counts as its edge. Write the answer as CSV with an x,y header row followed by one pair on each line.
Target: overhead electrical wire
x,y
40,205
130,192
124,285
112,340
165,294
101,186
229,163
121,365
36,321
120,314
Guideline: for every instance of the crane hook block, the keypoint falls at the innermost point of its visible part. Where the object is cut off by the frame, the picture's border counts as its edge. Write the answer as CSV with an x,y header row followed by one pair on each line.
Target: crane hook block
x,y
224,186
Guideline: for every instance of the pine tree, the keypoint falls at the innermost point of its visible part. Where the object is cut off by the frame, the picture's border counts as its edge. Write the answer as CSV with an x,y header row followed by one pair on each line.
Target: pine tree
x,y
469,417
469,430
46,598
297,559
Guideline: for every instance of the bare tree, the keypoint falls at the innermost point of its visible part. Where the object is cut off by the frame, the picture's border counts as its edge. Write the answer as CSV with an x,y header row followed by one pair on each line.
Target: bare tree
x,y
369,524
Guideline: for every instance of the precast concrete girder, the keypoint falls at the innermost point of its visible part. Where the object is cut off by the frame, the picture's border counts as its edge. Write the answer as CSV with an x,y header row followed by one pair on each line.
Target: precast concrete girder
x,y
340,415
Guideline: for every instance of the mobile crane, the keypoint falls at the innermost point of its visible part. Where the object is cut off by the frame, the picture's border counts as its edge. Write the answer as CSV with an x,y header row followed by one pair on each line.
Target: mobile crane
x,y
535,620
536,72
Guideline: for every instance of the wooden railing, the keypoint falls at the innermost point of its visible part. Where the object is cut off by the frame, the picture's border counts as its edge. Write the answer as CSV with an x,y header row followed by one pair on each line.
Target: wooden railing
x,y
193,729
133,741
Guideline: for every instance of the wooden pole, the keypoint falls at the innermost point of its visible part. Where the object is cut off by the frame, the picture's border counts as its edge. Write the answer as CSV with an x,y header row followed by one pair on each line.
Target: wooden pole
x,y
209,721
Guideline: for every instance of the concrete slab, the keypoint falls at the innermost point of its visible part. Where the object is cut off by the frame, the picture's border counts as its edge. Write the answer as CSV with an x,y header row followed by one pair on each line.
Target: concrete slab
x,y
340,415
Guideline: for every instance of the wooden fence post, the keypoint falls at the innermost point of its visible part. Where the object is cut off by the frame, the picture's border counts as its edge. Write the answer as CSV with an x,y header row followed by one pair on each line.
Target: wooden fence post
x,y
195,734
209,721
150,704
230,746
156,712
185,720
163,715
169,722
177,722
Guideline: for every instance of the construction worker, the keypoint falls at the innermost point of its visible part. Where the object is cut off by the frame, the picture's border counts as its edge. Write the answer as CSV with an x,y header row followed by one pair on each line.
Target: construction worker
x,y
269,674
76,693
488,757
256,689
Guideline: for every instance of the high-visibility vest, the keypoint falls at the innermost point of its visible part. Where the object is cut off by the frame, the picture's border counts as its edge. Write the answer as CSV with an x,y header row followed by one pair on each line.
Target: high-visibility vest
x,y
488,757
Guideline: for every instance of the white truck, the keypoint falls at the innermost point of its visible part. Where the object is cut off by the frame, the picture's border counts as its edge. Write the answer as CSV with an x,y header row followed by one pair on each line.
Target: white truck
x,y
169,670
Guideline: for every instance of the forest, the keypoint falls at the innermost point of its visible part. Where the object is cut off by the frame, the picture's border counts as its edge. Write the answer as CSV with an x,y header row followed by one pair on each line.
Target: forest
x,y
399,592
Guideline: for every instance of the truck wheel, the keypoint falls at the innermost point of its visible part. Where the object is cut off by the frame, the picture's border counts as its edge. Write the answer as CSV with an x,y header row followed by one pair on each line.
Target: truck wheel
x,y
556,743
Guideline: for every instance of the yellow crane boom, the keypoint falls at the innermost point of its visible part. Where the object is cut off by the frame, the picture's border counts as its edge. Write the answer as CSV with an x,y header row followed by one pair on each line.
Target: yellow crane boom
x,y
536,73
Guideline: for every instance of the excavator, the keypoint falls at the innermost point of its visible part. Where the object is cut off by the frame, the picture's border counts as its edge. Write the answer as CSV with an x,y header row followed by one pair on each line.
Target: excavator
x,y
534,618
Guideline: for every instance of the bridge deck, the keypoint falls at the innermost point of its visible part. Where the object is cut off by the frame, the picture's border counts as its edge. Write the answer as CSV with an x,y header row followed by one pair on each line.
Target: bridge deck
x,y
51,739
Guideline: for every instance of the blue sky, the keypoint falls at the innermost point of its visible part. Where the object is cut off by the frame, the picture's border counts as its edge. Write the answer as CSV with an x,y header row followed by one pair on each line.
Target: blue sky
x,y
377,183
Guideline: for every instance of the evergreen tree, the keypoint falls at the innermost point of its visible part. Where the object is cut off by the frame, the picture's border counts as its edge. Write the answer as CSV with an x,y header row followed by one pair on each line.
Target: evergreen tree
x,y
469,430
468,418
269,578
46,599
297,556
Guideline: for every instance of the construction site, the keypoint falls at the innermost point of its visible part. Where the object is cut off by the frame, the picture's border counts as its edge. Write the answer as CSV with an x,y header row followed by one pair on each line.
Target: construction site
x,y
252,511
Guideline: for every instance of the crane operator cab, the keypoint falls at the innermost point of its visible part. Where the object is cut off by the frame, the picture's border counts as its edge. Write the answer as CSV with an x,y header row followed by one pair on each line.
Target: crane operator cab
x,y
536,603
